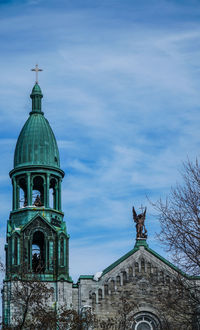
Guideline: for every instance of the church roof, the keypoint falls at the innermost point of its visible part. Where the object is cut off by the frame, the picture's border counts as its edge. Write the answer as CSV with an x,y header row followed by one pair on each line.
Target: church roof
x,y
133,251
36,144
155,254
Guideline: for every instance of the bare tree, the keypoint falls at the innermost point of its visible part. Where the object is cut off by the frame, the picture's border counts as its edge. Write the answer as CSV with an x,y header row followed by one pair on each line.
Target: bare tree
x,y
33,306
179,217
28,300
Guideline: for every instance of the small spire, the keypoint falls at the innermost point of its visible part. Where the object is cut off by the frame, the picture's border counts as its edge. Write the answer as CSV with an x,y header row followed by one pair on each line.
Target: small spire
x,y
36,97
36,69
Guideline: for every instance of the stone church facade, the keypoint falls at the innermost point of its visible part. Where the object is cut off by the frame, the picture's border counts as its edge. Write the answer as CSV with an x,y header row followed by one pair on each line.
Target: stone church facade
x,y
37,241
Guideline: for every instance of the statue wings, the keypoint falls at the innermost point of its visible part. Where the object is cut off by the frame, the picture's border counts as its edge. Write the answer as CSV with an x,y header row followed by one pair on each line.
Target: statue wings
x,y
134,214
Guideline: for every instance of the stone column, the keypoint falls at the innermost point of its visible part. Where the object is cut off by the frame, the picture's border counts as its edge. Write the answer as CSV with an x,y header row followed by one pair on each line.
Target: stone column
x,y
14,194
56,197
17,196
59,195
29,201
47,190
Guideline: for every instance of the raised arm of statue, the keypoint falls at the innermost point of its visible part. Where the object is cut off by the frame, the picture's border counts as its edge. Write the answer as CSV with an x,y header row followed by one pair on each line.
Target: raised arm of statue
x,y
134,214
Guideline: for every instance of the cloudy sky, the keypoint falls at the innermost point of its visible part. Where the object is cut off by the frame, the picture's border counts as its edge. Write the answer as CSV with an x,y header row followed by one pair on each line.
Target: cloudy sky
x,y
121,85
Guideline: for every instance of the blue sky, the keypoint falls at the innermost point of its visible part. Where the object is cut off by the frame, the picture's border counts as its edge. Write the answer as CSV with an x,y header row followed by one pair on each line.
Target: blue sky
x,y
121,85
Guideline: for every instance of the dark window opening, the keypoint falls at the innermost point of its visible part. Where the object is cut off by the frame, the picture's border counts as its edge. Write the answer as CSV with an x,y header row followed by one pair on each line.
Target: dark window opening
x,y
22,193
149,268
118,280
124,277
62,251
112,285
38,191
142,266
38,252
105,289
130,272
15,251
93,298
136,268
52,195
100,295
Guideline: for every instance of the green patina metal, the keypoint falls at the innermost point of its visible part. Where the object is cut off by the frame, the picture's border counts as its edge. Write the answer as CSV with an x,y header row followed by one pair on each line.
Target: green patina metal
x,y
36,219
141,242
85,277
36,144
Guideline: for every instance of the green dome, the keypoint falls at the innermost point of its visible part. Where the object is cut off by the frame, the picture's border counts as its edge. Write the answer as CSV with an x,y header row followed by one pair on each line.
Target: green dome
x,y
36,144
36,89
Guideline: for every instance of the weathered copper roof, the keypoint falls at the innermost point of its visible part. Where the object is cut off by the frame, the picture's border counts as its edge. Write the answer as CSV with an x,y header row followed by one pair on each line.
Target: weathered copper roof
x,y
36,144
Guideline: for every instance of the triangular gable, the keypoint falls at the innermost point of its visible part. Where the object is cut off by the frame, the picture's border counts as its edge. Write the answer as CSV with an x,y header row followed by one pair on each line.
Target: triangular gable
x,y
38,215
152,252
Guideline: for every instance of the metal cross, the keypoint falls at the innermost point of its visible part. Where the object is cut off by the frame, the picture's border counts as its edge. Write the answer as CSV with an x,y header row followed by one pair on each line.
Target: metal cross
x,y
36,69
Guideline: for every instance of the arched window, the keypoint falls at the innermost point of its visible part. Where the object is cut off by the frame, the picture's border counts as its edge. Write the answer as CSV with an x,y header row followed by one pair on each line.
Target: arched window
x,y
136,268
15,250
146,321
149,268
38,252
112,285
38,191
53,196
124,278
105,289
22,198
100,295
93,298
155,274
142,266
130,272
62,251
118,280
162,277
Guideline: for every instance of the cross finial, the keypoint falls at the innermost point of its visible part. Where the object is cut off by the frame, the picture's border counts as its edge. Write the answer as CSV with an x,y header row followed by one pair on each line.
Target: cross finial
x,y
36,69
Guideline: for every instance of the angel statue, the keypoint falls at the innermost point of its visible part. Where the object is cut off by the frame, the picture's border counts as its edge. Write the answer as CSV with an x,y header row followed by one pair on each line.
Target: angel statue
x,y
140,227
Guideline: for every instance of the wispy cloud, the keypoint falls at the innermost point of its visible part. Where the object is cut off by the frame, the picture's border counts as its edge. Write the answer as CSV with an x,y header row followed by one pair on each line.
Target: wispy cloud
x,y
121,92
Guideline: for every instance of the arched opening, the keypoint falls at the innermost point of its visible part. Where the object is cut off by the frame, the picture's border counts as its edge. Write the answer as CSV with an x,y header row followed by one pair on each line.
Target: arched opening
x,y
62,251
38,252
53,194
142,266
124,278
100,295
93,298
136,268
155,274
118,280
105,289
149,268
38,191
162,277
130,272
15,250
22,193
146,321
112,285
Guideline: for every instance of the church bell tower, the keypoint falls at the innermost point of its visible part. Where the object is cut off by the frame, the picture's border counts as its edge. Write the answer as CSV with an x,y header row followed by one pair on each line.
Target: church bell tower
x,y
37,240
